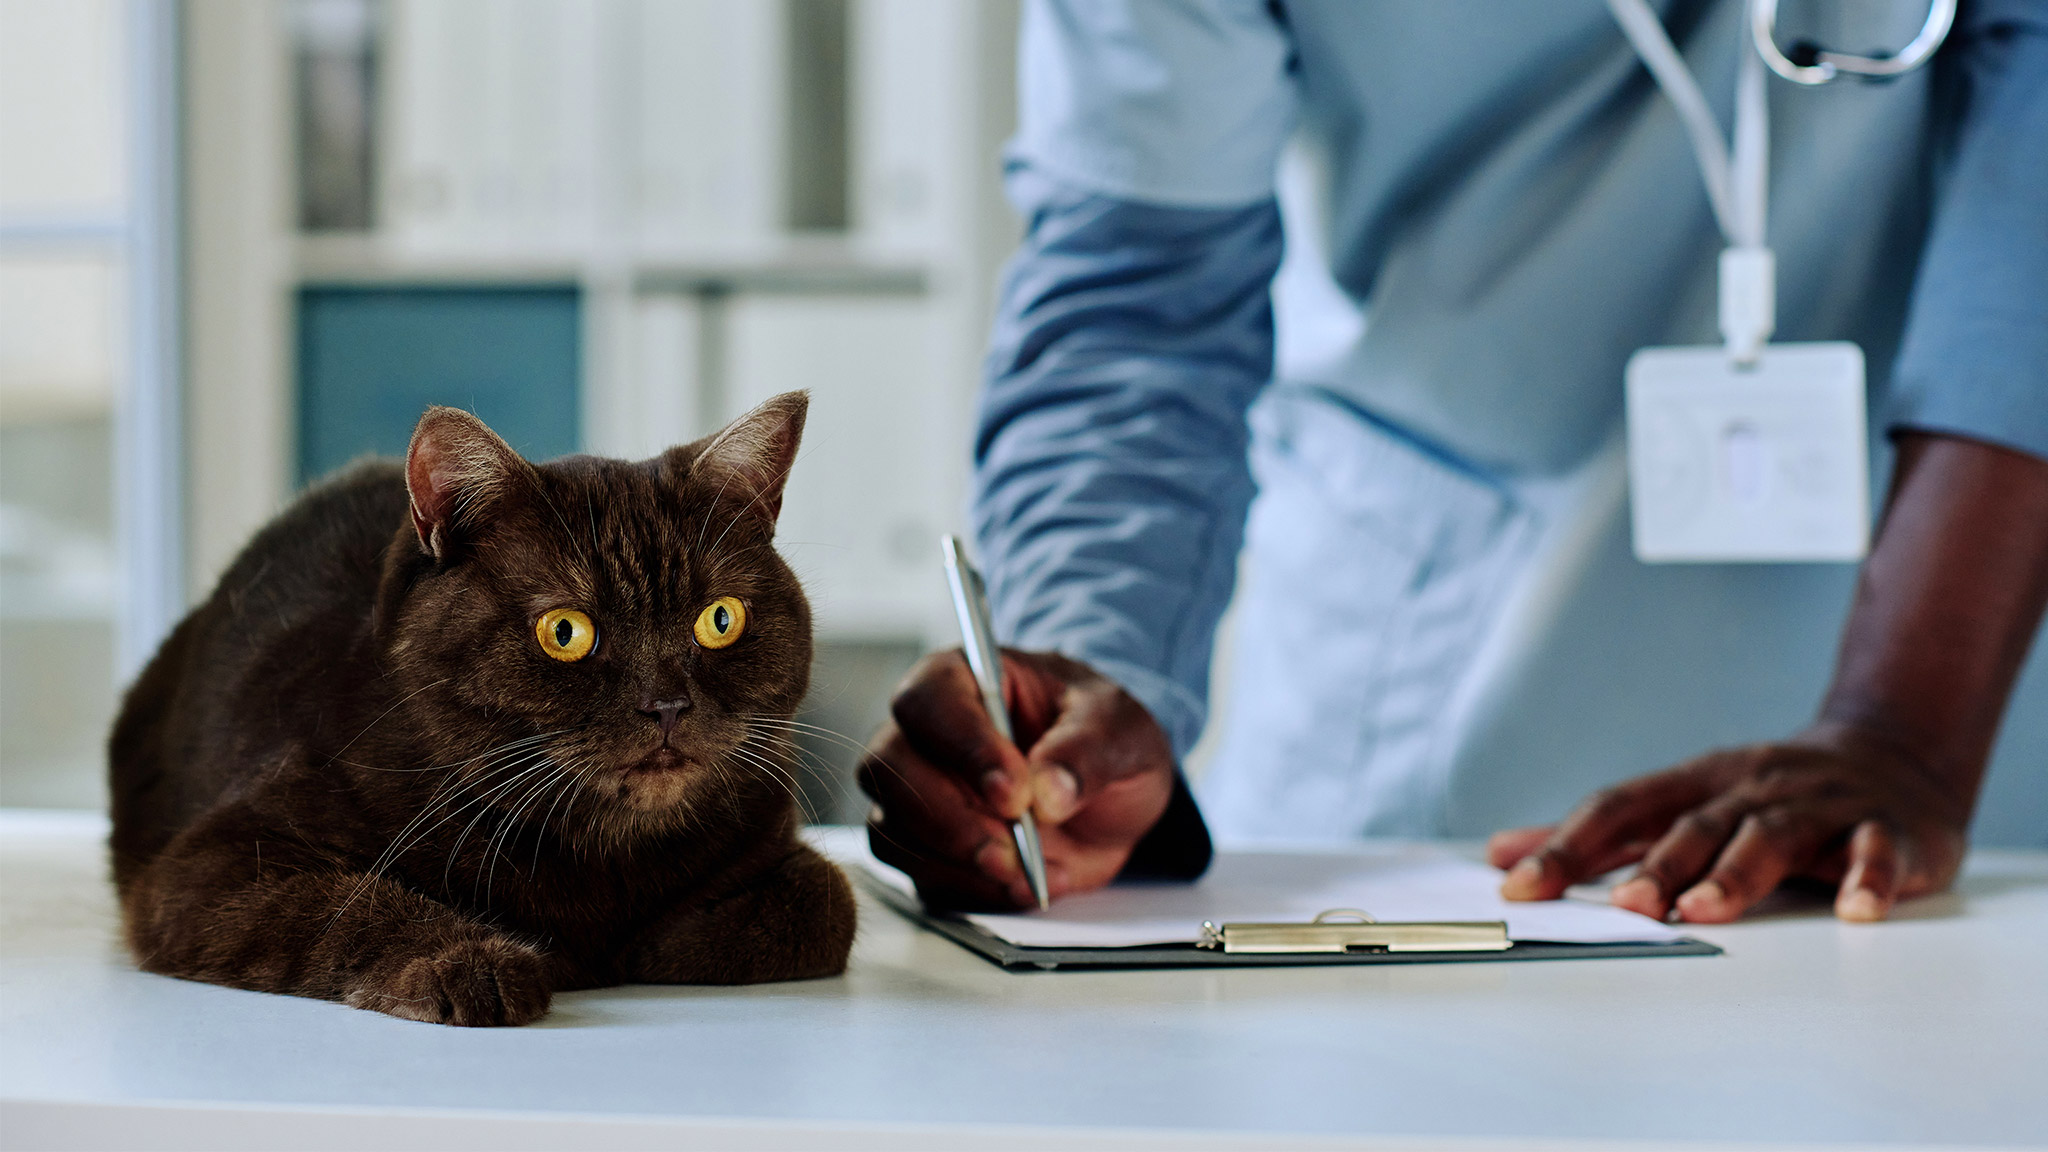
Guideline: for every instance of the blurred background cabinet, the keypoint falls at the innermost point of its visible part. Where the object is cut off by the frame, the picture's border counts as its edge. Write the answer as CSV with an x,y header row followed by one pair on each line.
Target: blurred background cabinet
x,y
606,225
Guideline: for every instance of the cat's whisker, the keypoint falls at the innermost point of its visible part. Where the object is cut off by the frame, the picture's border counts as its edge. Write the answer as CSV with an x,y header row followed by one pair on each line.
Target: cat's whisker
x,y
570,780
815,766
785,775
724,771
774,485
778,773
704,523
868,755
400,844
731,804
385,857
819,768
485,787
509,828
817,757
797,726
807,761
559,518
531,768
454,763
454,853
801,725
580,765
507,825
406,699
496,760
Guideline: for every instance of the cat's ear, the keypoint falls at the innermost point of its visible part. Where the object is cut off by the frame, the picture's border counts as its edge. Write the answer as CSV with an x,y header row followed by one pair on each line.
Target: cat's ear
x,y
456,471
751,458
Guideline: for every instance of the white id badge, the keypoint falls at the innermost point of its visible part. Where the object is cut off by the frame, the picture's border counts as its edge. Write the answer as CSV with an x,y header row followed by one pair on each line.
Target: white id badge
x,y
1762,464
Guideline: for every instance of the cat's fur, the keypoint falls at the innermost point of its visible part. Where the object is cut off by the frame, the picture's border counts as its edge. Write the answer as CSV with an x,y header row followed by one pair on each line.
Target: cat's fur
x,y
354,774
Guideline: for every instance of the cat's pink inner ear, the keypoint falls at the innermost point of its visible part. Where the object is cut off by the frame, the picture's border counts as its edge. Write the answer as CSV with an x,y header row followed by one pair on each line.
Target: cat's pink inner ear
x,y
751,458
454,468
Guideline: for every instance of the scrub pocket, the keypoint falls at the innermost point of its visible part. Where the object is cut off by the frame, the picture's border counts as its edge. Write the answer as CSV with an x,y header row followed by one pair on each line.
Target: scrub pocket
x,y
1373,567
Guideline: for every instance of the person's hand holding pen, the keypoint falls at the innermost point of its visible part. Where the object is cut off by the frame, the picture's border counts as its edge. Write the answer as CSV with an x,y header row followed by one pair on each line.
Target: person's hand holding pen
x,y
1089,762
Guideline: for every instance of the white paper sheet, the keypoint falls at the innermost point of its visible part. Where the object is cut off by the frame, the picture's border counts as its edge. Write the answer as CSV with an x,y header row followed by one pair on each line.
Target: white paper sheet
x,y
1404,882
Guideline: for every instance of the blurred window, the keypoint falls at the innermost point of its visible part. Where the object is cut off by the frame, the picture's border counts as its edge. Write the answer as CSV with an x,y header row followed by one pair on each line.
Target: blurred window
x,y
63,271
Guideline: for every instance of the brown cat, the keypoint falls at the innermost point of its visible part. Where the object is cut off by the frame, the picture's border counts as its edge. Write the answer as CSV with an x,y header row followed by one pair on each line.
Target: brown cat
x,y
451,737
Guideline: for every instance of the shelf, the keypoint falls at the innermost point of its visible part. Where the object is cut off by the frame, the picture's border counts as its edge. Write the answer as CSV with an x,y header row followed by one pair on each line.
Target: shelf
x,y
804,266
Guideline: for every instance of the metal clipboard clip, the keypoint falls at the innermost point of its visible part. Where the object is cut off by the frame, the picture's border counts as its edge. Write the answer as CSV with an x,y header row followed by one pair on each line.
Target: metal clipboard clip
x,y
1350,930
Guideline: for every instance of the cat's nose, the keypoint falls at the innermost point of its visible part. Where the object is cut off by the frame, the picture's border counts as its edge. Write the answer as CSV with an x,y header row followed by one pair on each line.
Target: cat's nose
x,y
666,712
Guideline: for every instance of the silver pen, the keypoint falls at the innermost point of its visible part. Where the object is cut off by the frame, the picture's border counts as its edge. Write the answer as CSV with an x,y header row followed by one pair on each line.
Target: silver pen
x,y
978,637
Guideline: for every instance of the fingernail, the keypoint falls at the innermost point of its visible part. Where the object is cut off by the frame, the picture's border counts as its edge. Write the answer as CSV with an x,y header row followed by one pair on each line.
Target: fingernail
x,y
997,858
1638,895
1059,793
1860,905
996,786
1524,880
1706,899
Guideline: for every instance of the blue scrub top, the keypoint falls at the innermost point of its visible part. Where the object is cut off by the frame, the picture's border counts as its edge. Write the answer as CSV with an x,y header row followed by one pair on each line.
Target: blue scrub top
x,y
1512,203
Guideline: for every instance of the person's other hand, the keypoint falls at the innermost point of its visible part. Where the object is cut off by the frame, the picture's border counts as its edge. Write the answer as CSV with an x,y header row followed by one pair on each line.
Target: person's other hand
x,y
1716,835
1096,771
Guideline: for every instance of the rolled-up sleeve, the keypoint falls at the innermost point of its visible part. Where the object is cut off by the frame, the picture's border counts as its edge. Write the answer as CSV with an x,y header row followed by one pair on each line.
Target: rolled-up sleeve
x,y
1975,358
1110,474
1134,330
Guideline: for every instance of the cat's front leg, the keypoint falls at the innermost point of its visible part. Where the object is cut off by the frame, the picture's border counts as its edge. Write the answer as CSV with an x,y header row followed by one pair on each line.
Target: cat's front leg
x,y
211,907
793,921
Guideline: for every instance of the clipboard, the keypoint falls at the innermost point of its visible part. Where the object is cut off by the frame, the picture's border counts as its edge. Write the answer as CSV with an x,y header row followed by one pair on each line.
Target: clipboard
x,y
1014,957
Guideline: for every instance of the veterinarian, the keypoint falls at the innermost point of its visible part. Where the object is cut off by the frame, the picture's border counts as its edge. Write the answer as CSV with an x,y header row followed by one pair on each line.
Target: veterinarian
x,y
1418,502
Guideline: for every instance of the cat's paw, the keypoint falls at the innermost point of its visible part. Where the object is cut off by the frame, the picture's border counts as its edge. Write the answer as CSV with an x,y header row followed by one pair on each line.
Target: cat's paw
x,y
473,983
794,922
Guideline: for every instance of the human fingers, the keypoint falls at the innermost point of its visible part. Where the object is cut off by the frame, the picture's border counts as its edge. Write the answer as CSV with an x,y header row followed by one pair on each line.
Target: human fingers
x,y
945,884
1103,761
1872,882
1506,848
1768,845
1086,853
990,879
939,711
923,813
1607,830
928,823
1679,857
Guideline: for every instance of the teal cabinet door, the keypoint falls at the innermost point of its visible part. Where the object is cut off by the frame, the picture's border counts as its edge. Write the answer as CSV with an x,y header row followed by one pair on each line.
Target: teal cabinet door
x,y
372,358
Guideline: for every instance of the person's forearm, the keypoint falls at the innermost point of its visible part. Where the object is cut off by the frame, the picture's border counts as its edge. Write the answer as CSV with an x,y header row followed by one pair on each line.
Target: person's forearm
x,y
1947,605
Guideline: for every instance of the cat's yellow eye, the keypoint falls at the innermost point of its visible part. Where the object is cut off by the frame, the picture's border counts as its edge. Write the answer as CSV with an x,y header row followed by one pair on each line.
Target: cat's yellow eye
x,y
721,623
565,634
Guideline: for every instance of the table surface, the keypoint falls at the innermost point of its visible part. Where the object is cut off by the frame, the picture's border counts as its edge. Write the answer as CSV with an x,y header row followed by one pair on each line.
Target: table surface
x,y
1930,1029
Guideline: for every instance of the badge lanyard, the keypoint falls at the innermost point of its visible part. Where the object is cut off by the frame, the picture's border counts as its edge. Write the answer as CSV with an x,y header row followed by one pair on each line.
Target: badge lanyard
x,y
1751,451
